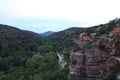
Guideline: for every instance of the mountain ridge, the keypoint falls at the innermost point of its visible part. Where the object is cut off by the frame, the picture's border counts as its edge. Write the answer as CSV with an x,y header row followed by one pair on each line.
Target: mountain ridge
x,y
13,39
48,33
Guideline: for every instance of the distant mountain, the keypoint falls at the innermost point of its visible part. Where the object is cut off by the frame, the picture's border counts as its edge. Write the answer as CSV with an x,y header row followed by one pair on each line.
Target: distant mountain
x,y
48,33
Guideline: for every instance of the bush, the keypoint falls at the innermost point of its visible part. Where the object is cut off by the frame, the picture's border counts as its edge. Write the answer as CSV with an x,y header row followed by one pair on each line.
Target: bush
x,y
103,31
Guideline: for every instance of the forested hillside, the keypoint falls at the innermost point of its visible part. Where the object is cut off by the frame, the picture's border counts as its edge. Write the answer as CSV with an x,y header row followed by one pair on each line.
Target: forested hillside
x,y
26,55
14,41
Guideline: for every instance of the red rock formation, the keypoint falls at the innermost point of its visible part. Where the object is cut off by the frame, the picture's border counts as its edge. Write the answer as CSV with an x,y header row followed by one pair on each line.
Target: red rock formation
x,y
99,57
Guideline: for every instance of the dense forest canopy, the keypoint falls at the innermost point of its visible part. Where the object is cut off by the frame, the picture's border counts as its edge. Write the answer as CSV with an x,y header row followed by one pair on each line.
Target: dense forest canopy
x,y
25,55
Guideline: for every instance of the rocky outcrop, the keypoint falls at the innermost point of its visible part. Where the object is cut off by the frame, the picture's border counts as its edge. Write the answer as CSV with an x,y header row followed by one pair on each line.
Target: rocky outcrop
x,y
98,60
84,38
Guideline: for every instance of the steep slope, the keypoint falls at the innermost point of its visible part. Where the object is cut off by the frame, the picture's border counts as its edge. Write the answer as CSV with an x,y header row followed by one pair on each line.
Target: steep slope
x,y
100,45
14,41
102,53
64,39
67,39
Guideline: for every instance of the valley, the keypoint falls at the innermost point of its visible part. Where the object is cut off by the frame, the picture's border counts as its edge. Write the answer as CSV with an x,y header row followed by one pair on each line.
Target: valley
x,y
73,54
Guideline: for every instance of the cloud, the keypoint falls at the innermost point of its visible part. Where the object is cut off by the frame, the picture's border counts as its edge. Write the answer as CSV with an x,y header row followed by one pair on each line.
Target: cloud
x,y
78,10
57,14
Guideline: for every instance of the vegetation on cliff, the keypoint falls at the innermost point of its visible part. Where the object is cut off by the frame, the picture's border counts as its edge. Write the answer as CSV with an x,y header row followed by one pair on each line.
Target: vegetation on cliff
x,y
25,55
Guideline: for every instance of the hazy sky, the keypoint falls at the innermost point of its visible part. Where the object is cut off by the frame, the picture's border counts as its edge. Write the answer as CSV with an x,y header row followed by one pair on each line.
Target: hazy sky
x,y
44,15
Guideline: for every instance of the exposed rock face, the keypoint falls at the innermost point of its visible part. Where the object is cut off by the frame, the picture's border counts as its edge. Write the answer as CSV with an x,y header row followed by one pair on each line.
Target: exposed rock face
x,y
83,38
77,65
96,61
94,56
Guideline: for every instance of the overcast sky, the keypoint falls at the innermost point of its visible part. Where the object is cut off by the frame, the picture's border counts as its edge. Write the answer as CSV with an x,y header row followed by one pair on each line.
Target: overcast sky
x,y
54,15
